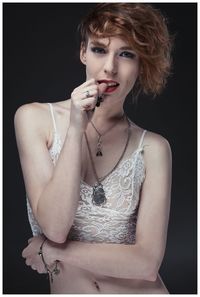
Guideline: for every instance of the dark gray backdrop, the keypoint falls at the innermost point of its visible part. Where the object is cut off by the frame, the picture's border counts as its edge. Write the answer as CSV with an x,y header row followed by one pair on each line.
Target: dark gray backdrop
x,y
41,64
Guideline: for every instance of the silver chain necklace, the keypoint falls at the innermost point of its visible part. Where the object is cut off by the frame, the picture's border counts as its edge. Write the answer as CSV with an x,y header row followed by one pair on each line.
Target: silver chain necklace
x,y
99,197
99,152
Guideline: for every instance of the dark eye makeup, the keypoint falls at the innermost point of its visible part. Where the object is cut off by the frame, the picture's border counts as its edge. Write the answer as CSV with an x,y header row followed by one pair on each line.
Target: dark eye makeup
x,y
98,50
124,54
127,54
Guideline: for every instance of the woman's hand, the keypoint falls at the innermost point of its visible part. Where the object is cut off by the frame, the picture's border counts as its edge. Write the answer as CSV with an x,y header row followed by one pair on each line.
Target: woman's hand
x,y
83,101
33,259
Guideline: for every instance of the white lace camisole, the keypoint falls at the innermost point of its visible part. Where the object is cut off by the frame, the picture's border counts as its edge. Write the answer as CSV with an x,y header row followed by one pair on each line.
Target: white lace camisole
x,y
115,221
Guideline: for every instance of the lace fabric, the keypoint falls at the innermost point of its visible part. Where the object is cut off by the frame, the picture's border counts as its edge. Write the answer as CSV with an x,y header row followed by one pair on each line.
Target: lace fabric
x,y
115,221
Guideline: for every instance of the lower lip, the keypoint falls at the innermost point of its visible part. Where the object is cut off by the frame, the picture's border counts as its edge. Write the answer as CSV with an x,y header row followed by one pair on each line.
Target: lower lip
x,y
110,89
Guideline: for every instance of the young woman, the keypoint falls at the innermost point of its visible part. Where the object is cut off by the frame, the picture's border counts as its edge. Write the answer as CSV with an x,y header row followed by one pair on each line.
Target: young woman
x,y
98,185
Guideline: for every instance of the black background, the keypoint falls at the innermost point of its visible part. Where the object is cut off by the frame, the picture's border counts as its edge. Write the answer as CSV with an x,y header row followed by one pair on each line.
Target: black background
x,y
41,63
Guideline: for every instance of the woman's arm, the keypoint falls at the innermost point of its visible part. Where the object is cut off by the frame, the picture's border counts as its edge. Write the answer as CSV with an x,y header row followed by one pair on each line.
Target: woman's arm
x,y
53,191
142,260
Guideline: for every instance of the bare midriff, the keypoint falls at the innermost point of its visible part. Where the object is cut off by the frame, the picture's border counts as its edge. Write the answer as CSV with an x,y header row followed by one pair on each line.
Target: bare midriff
x,y
73,280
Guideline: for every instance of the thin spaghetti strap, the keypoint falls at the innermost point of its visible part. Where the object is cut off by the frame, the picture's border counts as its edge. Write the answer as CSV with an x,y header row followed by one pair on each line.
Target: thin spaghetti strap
x,y
141,139
53,117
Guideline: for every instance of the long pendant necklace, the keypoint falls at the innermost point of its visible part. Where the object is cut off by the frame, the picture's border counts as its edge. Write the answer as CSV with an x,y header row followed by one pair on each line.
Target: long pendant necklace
x,y
99,197
99,152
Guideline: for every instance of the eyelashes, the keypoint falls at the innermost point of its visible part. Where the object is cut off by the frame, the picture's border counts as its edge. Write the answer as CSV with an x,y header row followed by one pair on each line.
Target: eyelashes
x,y
98,50
127,54
124,54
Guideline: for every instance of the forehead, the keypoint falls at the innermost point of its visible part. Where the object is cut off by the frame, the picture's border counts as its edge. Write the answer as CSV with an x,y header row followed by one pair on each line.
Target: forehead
x,y
114,41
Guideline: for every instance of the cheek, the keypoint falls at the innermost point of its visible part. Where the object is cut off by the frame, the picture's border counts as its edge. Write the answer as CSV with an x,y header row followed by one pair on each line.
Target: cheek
x,y
91,68
130,82
130,72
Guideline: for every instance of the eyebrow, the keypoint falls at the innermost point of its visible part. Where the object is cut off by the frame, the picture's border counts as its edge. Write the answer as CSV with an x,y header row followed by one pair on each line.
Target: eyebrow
x,y
126,48
98,43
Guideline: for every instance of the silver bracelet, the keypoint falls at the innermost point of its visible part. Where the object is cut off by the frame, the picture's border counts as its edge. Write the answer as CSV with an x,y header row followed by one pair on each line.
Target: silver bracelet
x,y
50,272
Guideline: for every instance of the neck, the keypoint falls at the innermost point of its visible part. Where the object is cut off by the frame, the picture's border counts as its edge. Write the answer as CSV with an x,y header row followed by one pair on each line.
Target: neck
x,y
105,114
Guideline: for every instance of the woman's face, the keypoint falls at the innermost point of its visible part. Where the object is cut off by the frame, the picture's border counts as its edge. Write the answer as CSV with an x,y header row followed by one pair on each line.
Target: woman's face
x,y
113,61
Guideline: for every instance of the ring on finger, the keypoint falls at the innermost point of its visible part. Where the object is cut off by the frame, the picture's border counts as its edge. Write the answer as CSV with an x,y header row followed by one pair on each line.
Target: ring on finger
x,y
87,93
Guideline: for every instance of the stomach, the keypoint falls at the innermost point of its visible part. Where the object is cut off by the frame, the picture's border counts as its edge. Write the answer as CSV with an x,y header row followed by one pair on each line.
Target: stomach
x,y
73,280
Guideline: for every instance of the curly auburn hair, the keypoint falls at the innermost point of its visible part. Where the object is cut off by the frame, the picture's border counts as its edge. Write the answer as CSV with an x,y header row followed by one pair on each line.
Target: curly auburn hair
x,y
145,30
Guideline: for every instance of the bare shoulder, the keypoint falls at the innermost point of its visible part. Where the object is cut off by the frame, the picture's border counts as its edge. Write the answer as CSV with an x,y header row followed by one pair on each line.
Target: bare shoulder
x,y
37,114
155,145
156,149
35,119
31,112
32,120
156,142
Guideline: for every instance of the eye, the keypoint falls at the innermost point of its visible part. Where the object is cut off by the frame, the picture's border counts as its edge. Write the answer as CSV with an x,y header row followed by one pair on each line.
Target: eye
x,y
98,50
129,55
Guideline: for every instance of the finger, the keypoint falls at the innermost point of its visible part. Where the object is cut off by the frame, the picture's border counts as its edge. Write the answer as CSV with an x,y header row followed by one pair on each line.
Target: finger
x,y
102,87
33,267
82,96
85,89
88,104
85,84
28,262
41,270
30,239
90,89
85,93
24,253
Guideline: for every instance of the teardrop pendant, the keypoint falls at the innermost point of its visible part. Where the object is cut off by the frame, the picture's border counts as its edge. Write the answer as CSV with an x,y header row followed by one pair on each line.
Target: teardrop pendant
x,y
99,153
99,197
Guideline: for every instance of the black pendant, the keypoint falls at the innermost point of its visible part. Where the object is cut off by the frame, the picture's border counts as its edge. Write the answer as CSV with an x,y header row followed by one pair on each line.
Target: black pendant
x,y
99,197
99,100
99,153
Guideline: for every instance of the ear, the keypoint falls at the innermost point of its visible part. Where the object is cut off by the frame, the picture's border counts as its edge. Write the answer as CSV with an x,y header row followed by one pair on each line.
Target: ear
x,y
83,53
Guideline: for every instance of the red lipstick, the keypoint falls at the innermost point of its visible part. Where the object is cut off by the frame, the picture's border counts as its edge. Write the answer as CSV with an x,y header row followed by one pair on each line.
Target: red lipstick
x,y
111,85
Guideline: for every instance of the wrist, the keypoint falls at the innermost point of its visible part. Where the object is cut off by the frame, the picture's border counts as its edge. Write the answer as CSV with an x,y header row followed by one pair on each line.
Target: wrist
x,y
75,132
51,268
70,253
50,251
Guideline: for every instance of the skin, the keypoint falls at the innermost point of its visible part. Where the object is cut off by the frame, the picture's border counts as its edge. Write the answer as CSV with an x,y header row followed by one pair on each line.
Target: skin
x,y
97,268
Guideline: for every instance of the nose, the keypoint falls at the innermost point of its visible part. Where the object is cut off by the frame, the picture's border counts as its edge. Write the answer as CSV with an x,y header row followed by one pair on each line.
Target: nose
x,y
110,66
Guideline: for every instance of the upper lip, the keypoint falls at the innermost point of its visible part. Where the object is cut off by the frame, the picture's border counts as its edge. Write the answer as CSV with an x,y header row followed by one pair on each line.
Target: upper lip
x,y
107,81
